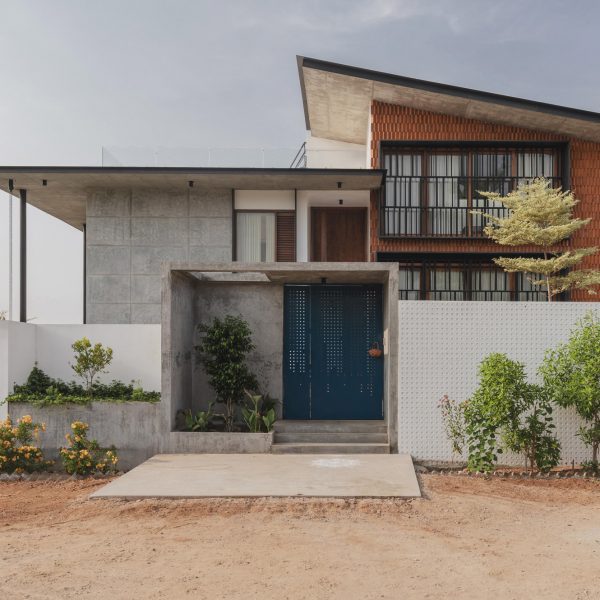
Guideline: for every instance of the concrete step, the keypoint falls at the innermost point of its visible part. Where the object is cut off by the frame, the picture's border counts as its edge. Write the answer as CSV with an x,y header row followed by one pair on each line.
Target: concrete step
x,y
330,449
331,437
284,426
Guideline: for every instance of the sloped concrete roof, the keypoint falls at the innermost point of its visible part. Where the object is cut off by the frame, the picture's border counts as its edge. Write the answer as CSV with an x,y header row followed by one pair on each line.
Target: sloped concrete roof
x,y
337,100
66,189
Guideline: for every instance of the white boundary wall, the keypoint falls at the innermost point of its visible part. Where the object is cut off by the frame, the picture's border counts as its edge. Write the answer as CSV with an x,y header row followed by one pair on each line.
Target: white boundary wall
x,y
441,346
136,352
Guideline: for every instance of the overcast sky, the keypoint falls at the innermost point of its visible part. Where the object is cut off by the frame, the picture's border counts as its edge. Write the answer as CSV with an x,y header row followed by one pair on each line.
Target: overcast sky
x,y
79,75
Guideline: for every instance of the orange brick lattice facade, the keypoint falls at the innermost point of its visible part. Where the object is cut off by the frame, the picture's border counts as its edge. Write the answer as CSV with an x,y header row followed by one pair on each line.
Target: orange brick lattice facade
x,y
391,122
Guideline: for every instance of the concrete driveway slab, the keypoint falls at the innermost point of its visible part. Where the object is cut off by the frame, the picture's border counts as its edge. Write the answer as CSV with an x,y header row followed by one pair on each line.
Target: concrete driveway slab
x,y
260,475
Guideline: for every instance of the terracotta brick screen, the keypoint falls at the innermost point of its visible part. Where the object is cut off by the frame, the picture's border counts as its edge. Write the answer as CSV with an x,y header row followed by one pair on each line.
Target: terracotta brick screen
x,y
391,122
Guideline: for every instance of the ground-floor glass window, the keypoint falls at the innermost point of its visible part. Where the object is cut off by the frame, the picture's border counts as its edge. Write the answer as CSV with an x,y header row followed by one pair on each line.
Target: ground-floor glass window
x,y
460,277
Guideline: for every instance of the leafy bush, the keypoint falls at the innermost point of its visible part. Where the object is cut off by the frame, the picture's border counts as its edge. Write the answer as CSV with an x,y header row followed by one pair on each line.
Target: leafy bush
x,y
84,456
453,414
42,390
532,432
259,415
17,452
199,421
571,373
223,353
90,360
506,412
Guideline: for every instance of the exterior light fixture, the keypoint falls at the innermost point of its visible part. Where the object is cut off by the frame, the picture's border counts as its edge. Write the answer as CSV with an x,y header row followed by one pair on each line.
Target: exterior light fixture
x,y
190,183
339,185
341,201
11,185
44,182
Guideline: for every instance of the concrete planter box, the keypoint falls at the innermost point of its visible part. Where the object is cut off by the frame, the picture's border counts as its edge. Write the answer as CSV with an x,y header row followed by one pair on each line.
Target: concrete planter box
x,y
132,427
183,442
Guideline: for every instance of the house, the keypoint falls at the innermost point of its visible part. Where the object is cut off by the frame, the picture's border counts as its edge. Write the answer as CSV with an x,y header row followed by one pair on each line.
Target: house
x,y
375,209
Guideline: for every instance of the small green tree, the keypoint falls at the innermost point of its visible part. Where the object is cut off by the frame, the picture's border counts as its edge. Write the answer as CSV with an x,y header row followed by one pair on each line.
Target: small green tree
x,y
507,412
90,360
223,353
571,373
541,215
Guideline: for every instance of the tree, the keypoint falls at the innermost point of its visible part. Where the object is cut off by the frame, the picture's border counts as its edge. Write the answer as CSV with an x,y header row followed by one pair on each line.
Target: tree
x,y
507,412
90,361
571,373
223,353
541,215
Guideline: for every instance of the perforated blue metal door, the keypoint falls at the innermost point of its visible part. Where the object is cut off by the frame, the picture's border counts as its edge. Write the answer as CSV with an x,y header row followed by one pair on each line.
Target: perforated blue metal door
x,y
328,372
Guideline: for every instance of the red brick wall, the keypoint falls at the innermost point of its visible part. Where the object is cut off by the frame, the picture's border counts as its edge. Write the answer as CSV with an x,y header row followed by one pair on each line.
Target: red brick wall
x,y
393,122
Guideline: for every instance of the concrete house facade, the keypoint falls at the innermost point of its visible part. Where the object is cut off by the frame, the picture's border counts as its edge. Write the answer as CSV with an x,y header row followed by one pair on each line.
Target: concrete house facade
x,y
324,259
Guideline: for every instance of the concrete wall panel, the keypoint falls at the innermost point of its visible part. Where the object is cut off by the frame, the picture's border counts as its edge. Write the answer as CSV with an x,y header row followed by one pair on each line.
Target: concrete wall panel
x,y
132,232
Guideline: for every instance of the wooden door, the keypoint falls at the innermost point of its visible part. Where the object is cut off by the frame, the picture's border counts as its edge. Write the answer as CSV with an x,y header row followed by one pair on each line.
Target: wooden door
x,y
339,234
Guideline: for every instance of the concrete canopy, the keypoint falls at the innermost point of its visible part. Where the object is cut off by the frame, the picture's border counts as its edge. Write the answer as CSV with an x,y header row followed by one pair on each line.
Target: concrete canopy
x,y
337,100
64,195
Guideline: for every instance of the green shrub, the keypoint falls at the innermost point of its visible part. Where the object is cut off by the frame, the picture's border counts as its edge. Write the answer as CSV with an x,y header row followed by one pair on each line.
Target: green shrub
x,y
84,456
571,373
223,353
506,412
41,390
199,421
18,454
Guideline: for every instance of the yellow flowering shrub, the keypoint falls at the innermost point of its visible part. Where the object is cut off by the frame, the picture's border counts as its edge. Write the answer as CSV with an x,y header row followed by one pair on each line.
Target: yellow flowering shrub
x,y
18,454
84,456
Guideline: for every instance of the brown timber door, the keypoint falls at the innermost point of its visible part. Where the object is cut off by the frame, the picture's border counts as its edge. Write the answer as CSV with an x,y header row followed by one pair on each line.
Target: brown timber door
x,y
339,234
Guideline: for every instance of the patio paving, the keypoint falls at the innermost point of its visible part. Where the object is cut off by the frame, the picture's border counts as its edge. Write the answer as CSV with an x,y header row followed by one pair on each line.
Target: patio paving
x,y
260,475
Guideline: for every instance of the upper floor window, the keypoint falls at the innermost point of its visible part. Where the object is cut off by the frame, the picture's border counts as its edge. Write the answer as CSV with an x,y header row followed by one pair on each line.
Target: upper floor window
x,y
431,191
265,236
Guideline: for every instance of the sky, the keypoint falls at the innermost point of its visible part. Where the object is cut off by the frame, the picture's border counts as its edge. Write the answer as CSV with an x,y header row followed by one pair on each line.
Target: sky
x,y
77,76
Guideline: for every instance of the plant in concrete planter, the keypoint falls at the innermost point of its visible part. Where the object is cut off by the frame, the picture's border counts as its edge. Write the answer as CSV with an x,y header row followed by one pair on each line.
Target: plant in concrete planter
x,y
223,352
200,421
259,414
90,360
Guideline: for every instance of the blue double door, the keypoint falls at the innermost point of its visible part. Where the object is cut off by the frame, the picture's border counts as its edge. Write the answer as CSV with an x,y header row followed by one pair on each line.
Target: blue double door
x,y
328,372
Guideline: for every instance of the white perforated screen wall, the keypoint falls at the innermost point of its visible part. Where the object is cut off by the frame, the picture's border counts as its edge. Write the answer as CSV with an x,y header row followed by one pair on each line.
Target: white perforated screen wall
x,y
441,345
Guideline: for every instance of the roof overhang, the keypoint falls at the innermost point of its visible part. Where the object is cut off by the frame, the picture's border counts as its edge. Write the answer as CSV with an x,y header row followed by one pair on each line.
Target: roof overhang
x,y
64,195
337,100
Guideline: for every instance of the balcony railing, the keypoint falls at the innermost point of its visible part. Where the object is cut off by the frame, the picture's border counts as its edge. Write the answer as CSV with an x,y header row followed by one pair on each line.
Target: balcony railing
x,y
441,206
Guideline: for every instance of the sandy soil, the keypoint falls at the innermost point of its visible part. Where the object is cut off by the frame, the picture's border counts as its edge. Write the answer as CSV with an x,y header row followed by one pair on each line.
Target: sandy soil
x,y
468,538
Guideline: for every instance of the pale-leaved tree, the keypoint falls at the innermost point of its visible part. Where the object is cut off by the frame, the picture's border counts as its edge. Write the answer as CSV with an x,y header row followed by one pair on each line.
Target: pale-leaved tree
x,y
542,216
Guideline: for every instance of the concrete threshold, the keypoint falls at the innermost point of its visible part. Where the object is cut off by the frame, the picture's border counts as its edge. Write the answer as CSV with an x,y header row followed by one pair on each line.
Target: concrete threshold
x,y
267,475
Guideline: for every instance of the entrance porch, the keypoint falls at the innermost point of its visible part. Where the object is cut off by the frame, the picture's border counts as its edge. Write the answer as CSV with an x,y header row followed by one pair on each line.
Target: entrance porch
x,y
325,338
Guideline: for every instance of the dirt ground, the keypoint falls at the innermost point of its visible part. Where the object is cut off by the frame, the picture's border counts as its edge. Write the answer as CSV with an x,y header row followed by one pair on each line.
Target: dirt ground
x,y
467,538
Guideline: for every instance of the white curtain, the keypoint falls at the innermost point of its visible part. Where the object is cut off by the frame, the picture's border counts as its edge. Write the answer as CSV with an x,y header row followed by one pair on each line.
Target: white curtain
x,y
409,284
448,215
255,236
403,196
446,284
489,284
535,164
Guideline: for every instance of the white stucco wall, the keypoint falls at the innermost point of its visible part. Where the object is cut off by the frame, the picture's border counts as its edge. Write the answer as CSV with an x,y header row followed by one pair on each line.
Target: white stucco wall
x,y
136,352
441,345
264,200
17,355
322,153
